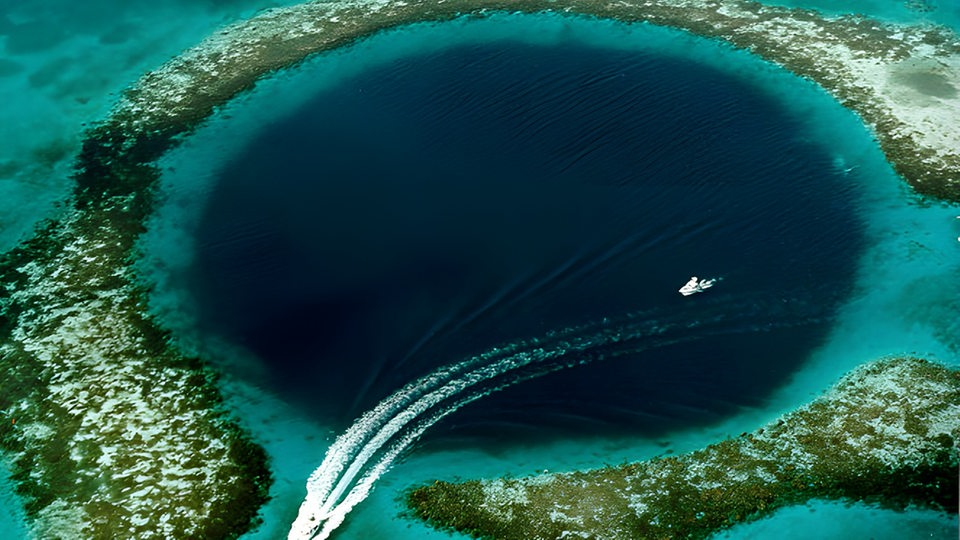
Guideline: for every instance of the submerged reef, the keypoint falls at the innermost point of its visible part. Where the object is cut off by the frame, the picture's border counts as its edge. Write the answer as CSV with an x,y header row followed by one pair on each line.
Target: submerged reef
x,y
886,433
111,431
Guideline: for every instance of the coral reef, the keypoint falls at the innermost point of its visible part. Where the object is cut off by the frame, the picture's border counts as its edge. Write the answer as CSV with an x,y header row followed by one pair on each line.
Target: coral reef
x,y
887,433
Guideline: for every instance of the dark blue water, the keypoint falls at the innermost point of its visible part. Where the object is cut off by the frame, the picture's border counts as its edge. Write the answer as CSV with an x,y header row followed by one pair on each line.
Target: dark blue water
x,y
433,208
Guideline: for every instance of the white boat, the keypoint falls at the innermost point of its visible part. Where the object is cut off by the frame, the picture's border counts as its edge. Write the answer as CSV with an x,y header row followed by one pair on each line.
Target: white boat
x,y
696,285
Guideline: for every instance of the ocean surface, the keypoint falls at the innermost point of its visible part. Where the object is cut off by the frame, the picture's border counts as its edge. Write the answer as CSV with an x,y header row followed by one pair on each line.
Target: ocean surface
x,y
62,66
939,12
446,204
438,191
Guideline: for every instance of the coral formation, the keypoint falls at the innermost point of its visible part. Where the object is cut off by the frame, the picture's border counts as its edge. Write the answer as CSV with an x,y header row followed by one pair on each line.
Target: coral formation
x,y
887,433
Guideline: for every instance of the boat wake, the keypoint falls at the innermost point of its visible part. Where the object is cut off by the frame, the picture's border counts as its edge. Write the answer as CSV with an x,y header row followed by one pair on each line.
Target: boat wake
x,y
366,450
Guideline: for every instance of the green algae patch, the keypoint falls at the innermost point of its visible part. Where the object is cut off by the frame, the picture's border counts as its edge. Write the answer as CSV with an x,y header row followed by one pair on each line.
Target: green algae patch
x,y
886,433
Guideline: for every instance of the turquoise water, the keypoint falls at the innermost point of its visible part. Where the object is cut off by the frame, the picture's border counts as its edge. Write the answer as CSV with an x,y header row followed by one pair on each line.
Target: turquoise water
x,y
939,12
11,514
62,66
839,521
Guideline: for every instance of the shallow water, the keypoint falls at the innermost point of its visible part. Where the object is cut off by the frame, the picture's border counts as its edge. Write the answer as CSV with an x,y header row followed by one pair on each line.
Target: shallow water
x,y
11,514
838,521
939,12
62,65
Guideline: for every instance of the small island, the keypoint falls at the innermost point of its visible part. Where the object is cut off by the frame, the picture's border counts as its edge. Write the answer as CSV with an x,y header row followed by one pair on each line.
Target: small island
x,y
886,433
110,430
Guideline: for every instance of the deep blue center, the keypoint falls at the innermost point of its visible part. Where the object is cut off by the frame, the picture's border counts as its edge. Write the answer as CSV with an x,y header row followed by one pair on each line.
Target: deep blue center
x,y
441,205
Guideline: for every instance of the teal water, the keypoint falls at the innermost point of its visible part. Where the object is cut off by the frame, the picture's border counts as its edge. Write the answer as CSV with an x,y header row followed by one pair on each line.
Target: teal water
x,y
939,12
11,513
62,65
839,521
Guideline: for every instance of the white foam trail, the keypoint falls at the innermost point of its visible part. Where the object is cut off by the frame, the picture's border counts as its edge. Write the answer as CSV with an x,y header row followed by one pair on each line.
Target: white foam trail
x,y
360,491
368,434
332,491
327,477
